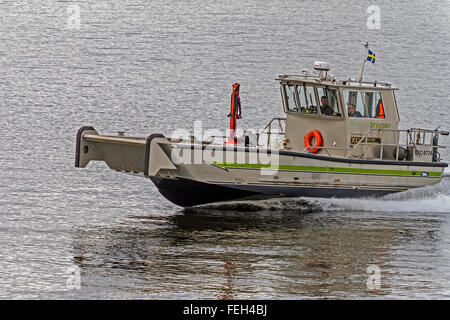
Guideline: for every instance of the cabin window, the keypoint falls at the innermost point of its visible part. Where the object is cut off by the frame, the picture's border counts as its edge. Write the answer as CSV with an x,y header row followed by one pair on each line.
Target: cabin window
x,y
329,102
364,104
289,94
307,99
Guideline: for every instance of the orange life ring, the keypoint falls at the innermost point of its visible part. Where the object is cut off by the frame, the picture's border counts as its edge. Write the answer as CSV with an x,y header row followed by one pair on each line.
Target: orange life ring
x,y
319,141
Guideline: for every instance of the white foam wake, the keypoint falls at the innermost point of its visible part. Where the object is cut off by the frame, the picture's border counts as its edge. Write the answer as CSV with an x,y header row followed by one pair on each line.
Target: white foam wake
x,y
439,203
434,198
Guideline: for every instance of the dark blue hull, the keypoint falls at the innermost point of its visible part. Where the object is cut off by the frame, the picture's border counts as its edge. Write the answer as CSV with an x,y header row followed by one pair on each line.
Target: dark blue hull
x,y
188,193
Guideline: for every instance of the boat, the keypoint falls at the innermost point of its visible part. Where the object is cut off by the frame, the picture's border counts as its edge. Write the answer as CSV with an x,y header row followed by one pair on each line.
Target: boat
x,y
338,138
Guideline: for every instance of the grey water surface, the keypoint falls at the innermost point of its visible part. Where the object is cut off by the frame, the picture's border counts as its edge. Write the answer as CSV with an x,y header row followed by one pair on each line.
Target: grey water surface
x,y
152,67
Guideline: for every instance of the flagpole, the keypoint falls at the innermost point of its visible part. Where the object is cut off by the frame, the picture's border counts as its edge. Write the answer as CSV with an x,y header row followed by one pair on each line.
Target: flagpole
x,y
366,45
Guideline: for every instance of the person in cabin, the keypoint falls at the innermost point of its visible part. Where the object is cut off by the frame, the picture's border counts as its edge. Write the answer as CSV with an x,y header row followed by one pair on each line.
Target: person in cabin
x,y
352,112
325,109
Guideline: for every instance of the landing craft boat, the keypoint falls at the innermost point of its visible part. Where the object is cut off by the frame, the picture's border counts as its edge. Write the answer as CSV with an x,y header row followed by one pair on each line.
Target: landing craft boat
x,y
338,139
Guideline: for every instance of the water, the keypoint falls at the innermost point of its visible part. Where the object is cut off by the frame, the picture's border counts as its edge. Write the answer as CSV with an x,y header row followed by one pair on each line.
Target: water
x,y
146,67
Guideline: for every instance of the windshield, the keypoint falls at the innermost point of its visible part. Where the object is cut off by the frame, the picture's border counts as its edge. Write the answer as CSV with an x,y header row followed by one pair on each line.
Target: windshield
x,y
289,94
307,99
364,104
329,102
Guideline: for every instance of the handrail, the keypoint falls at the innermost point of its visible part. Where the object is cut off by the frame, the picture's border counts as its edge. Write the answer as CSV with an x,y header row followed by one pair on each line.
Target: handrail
x,y
413,138
359,142
307,76
268,128
307,149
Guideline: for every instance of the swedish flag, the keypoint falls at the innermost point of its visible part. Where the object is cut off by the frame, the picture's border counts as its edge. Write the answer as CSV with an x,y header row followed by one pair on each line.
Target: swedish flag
x,y
371,56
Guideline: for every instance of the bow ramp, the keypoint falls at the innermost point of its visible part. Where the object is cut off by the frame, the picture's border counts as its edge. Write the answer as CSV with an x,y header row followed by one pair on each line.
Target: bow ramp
x,y
129,154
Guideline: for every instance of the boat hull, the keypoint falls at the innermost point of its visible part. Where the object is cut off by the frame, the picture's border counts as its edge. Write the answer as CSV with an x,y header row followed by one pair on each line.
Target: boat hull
x,y
293,175
188,193
190,174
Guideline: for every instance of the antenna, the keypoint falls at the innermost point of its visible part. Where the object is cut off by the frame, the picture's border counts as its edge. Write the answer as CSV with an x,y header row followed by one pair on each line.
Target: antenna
x,y
366,45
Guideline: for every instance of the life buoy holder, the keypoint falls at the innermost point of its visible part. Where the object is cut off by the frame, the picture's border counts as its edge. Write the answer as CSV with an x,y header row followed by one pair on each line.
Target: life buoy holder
x,y
319,141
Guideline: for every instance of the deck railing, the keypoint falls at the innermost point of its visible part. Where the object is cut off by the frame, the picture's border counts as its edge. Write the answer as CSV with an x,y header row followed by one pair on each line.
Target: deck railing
x,y
413,138
269,130
370,144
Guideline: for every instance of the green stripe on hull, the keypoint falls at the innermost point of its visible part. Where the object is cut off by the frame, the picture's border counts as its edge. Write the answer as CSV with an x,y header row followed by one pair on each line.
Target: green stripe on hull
x,y
326,169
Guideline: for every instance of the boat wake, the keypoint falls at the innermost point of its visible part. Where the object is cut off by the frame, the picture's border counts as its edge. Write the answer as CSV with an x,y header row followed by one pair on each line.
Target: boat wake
x,y
300,204
434,198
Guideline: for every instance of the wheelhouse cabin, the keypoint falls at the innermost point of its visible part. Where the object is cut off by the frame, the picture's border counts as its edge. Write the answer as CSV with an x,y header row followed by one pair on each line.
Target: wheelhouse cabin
x,y
355,119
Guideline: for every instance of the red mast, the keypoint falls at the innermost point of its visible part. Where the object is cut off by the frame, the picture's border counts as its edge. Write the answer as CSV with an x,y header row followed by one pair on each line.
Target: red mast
x,y
235,113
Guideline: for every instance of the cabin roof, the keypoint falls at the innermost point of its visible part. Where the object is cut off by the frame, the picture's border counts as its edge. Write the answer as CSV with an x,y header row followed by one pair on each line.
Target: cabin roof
x,y
330,81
